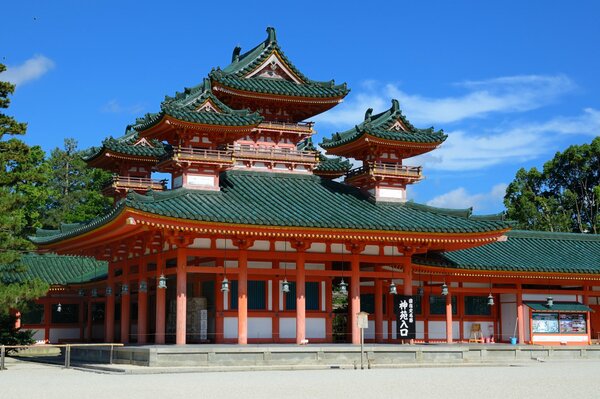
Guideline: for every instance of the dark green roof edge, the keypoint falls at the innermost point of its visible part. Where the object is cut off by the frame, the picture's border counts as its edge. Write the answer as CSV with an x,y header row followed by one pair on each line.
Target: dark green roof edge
x,y
57,269
558,307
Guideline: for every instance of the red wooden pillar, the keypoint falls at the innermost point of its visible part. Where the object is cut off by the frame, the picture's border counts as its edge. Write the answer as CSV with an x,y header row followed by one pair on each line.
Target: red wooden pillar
x,y
355,296
520,314
378,308
88,333
142,321
180,327
47,319
300,294
125,305
242,295
449,318
219,304
161,299
109,312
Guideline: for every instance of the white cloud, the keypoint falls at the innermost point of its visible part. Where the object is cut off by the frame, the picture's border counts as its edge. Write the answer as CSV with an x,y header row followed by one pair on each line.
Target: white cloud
x,y
460,198
28,71
504,94
514,144
114,107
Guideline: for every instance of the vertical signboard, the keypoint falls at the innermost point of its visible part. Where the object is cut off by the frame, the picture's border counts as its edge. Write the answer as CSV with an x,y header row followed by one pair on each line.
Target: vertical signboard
x,y
405,318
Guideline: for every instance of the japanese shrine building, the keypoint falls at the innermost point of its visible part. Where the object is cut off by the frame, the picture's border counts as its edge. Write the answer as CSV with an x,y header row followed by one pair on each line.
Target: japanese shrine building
x,y
259,229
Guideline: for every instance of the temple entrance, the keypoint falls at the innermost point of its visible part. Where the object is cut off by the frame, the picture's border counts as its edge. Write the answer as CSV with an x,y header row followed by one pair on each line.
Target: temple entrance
x,y
341,330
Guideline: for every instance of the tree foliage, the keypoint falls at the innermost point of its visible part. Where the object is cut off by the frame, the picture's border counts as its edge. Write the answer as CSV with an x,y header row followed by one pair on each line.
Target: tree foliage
x,y
22,195
74,188
564,196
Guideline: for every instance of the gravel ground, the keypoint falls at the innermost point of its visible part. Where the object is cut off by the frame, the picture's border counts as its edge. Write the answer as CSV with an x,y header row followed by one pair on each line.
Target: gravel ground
x,y
555,379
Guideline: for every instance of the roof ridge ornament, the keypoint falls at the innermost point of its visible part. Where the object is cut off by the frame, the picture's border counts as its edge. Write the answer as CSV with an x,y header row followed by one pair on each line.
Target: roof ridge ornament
x,y
235,57
395,105
368,114
272,36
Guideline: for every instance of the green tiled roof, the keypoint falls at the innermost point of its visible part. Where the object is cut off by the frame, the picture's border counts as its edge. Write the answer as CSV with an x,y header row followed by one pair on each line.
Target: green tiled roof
x,y
558,307
61,269
155,150
336,164
281,87
289,200
381,125
184,107
527,251
233,75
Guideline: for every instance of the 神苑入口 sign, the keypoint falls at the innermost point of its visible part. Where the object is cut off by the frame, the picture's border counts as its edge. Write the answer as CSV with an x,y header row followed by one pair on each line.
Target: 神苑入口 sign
x,y
405,318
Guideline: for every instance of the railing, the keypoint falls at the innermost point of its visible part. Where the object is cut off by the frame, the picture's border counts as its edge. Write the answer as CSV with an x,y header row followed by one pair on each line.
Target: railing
x,y
299,126
200,154
67,347
271,153
138,183
390,169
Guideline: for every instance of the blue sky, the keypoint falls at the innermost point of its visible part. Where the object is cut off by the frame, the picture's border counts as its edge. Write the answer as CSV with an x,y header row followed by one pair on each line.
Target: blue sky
x,y
510,82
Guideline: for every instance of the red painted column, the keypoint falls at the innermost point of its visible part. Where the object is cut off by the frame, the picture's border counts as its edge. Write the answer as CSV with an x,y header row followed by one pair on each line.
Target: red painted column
x,y
161,299
180,327
408,277
142,321
300,298
47,319
109,311
243,296
125,305
520,315
378,308
355,297
88,334
449,318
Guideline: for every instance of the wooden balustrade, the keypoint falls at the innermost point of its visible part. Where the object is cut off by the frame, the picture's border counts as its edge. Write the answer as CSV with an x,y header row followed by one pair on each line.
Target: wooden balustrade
x,y
390,169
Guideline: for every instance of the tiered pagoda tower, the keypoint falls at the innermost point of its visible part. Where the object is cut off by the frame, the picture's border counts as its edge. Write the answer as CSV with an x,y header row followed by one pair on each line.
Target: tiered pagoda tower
x,y
247,116
382,142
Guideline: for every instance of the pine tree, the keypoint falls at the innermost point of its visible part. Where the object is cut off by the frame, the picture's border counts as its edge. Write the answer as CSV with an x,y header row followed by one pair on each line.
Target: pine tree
x,y
21,195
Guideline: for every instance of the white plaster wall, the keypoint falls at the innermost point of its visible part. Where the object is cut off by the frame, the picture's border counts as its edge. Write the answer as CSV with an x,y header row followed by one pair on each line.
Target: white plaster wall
x,y
437,330
57,334
317,247
561,338
475,285
260,327
287,265
281,246
201,243
38,335
260,245
508,320
371,250
323,296
220,243
231,263
259,265
385,329
370,332
230,327
287,327
315,327
314,266
542,297
420,329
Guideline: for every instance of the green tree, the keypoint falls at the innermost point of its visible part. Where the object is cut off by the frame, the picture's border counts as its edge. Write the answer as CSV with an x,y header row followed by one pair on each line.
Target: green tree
x,y
74,188
21,194
565,196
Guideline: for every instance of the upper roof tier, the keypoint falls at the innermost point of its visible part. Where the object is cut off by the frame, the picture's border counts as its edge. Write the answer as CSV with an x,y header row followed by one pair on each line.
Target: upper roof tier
x,y
264,78
387,129
196,108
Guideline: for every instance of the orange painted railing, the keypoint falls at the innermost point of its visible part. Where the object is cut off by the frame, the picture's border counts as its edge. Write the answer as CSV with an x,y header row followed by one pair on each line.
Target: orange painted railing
x,y
390,169
138,183
200,154
272,153
300,126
